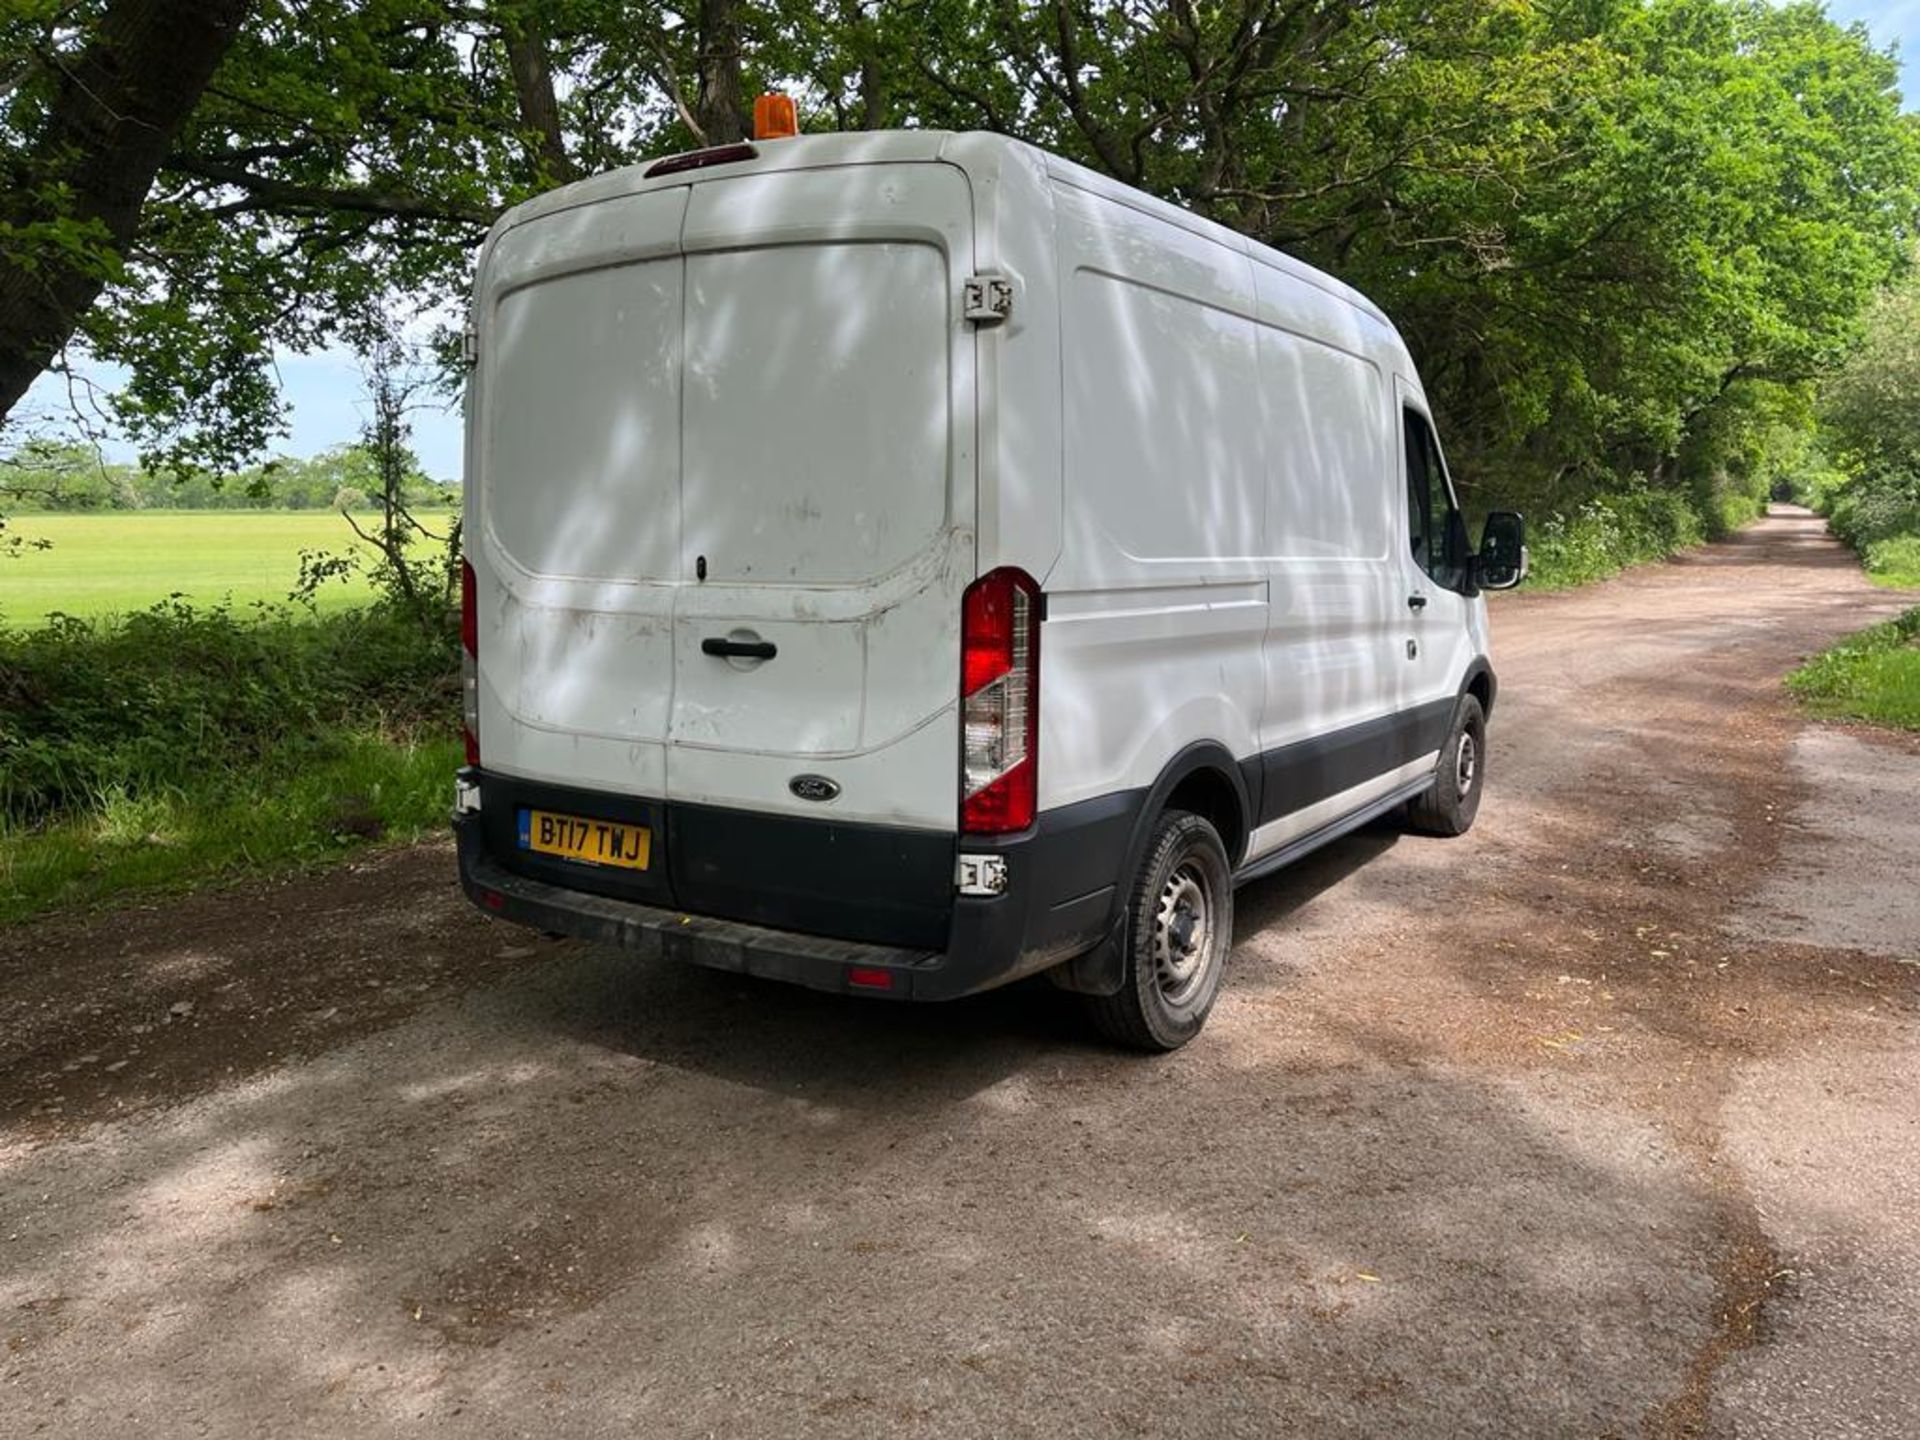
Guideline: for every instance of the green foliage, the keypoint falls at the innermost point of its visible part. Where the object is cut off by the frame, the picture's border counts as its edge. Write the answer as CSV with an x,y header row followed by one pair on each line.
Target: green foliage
x,y
1869,406
1871,416
48,477
173,699
1895,561
1604,227
1874,508
301,806
1873,676
179,744
1609,533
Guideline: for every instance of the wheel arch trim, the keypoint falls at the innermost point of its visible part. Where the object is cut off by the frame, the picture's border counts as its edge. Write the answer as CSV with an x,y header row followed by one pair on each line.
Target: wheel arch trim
x,y
1101,970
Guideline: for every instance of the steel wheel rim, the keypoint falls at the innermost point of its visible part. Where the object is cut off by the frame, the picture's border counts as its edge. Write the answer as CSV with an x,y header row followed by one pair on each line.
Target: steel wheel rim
x,y
1183,932
1466,763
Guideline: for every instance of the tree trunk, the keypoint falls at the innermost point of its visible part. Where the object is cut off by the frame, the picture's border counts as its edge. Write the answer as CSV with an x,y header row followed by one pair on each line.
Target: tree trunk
x,y
111,120
719,105
533,90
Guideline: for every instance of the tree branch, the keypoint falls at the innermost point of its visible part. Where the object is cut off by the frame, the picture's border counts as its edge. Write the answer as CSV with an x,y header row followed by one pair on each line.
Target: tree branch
x,y
111,118
267,193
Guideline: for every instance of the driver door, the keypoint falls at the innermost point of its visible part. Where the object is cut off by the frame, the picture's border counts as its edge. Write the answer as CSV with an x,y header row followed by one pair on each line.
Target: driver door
x,y
1437,568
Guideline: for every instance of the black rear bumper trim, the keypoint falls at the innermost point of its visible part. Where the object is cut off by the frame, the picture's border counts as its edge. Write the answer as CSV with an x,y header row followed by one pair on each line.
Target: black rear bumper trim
x,y
1056,905
811,960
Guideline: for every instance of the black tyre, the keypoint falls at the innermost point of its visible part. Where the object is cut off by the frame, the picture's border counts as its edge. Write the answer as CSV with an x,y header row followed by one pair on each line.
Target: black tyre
x,y
1449,807
1179,929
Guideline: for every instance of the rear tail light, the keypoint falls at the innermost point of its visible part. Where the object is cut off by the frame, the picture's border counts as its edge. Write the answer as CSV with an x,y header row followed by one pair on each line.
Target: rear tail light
x,y
469,663
999,703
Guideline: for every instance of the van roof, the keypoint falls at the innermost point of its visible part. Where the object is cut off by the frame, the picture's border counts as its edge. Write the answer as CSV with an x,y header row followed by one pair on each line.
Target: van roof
x,y
973,150
804,152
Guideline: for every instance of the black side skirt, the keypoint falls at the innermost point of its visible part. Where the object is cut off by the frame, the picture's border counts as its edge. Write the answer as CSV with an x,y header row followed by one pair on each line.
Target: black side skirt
x,y
1310,771
1327,834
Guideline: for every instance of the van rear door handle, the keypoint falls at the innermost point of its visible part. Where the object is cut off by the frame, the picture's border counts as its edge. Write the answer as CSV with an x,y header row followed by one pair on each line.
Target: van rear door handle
x,y
738,649
1416,602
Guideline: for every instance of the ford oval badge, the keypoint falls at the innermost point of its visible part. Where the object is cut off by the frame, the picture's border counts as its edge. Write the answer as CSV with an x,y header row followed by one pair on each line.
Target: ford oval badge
x,y
813,787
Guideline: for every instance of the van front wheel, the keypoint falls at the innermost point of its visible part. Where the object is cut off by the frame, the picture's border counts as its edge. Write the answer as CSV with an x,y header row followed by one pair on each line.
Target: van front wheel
x,y
1449,807
1179,929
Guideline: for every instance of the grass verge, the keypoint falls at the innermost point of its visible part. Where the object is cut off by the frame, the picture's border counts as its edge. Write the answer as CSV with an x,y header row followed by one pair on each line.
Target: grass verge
x,y
289,811
1872,676
177,745
1894,562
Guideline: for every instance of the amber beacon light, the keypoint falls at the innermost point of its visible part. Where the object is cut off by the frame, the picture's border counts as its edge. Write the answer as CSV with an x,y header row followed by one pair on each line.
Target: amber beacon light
x,y
774,118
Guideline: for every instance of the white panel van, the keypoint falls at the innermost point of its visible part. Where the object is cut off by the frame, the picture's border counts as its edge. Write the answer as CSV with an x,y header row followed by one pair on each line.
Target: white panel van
x,y
901,563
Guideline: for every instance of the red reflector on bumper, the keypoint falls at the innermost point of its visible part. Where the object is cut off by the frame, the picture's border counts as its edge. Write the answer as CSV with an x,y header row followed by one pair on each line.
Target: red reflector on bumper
x,y
493,900
869,978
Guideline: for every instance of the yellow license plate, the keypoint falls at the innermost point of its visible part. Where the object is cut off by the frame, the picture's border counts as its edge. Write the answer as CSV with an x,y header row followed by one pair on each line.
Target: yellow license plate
x,y
593,842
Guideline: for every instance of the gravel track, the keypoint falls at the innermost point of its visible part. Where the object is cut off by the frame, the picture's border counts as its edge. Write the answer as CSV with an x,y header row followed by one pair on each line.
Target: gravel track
x,y
1596,1122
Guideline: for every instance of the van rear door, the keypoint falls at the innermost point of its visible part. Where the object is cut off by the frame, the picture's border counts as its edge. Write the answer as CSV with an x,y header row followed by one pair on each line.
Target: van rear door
x,y
826,494
573,514
723,514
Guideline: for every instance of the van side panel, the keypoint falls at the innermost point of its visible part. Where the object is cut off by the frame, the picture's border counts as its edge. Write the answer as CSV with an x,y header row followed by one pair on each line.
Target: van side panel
x,y
1157,607
1229,570
1331,737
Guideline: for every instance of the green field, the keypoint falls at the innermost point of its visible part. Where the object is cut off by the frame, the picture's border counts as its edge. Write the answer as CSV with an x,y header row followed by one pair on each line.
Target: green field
x,y
102,564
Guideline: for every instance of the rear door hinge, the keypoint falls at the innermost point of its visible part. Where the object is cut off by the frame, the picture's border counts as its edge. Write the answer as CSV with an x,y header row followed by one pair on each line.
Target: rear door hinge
x,y
470,343
987,299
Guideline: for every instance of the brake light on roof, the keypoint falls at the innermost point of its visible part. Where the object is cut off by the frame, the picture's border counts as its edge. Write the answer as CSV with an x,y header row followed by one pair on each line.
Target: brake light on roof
x,y
999,703
469,663
700,159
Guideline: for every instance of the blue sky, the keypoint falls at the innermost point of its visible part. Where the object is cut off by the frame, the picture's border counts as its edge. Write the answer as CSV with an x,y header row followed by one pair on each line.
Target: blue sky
x,y
327,400
326,393
1891,22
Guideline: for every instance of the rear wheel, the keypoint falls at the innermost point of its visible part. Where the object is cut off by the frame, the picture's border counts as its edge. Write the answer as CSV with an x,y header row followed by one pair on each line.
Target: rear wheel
x,y
1449,807
1179,929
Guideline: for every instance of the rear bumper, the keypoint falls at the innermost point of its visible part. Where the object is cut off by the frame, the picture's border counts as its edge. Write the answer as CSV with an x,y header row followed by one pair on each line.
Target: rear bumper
x,y
1058,904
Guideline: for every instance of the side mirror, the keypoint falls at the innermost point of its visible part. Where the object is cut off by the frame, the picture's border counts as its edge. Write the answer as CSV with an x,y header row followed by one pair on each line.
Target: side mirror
x,y
1502,562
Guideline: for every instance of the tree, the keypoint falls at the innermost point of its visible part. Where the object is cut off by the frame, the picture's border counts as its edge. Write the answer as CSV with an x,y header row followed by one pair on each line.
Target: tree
x,y
1871,414
413,566
1872,404
91,130
1615,232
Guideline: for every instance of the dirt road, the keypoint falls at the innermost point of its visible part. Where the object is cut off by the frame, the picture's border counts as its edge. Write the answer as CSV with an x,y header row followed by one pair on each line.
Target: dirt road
x,y
1597,1122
